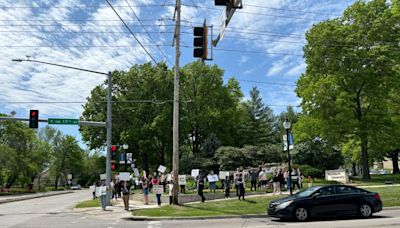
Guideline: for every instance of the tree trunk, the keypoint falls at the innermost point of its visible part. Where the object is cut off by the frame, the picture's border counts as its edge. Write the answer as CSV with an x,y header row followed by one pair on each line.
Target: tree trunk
x,y
395,161
354,169
56,182
364,159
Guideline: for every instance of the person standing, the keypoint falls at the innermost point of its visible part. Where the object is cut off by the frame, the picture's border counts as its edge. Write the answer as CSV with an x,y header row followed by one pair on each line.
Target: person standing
x,y
295,179
200,187
254,177
281,179
276,183
240,181
126,189
103,194
211,182
287,180
227,187
158,190
93,189
300,177
113,189
171,189
146,188
235,180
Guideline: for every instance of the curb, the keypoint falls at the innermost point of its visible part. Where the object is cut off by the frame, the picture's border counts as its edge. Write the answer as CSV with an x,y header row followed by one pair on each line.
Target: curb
x,y
145,218
33,197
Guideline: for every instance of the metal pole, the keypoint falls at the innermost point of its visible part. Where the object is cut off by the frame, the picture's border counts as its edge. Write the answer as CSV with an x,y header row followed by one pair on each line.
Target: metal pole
x,y
175,130
288,154
109,136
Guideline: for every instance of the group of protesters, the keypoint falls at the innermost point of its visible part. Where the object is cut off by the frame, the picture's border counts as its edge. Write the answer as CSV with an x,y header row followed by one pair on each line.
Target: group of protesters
x,y
158,183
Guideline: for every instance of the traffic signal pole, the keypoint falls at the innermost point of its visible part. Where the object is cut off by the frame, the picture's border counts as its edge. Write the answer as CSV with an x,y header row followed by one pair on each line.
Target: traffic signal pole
x,y
109,114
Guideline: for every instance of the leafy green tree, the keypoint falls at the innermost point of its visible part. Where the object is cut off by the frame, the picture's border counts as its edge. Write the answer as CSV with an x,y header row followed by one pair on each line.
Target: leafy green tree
x,y
208,106
352,65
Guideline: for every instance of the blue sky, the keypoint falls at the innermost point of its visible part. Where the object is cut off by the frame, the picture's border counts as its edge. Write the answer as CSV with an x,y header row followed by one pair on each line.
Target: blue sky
x,y
262,47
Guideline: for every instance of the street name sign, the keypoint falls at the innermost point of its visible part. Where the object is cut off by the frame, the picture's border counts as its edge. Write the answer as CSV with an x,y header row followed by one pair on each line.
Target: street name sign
x,y
63,121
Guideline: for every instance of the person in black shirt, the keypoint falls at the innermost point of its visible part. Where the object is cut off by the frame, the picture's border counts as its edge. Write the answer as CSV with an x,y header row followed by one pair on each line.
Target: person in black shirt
x,y
200,187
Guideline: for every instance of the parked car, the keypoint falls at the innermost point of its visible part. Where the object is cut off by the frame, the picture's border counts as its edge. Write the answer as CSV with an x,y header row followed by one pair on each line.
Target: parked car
x,y
76,187
326,201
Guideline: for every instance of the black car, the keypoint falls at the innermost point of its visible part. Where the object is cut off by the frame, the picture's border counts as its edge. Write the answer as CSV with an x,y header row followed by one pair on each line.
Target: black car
x,y
326,201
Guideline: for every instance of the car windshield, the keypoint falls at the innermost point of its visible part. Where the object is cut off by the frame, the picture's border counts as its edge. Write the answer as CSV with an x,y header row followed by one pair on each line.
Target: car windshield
x,y
306,192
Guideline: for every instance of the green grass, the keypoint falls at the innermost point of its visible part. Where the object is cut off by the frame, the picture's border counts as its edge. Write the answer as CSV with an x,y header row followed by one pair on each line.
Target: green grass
x,y
390,196
89,203
254,205
377,179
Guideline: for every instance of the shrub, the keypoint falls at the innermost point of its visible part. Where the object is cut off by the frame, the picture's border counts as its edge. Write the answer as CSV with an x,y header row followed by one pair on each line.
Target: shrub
x,y
310,171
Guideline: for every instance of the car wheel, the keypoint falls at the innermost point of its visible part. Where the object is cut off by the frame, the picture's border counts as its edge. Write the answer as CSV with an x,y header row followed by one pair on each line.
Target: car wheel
x,y
301,214
365,210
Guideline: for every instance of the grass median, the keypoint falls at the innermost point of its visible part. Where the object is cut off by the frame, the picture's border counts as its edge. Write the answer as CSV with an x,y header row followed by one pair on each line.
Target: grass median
x,y
90,203
253,205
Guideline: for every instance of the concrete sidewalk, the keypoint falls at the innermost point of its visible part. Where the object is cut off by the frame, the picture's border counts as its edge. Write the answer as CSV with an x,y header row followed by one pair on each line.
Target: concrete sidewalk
x,y
14,198
117,211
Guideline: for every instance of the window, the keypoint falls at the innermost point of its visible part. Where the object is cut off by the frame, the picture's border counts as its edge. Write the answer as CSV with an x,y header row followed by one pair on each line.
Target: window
x,y
326,191
346,190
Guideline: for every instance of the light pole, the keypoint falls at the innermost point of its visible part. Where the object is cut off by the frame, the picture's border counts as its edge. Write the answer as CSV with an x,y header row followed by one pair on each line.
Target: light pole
x,y
109,113
286,125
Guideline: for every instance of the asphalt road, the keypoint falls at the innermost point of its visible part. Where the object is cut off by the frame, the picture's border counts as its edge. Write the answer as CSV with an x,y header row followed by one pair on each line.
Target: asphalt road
x,y
55,211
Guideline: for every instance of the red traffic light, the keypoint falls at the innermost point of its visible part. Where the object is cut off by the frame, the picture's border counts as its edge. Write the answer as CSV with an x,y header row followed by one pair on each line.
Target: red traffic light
x,y
33,118
113,148
112,166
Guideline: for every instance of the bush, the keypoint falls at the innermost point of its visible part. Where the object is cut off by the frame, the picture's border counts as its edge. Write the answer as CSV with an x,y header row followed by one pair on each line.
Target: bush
x,y
310,171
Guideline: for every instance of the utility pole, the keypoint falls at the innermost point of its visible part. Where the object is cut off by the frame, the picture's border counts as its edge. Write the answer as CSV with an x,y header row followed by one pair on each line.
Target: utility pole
x,y
175,128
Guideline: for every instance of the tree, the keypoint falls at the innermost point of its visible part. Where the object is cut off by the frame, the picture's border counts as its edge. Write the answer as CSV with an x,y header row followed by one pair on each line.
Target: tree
x,y
352,65
142,113
208,106
259,127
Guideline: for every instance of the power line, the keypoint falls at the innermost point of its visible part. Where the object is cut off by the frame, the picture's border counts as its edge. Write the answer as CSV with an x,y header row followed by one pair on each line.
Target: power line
x,y
81,46
267,83
286,9
131,32
75,7
252,13
148,34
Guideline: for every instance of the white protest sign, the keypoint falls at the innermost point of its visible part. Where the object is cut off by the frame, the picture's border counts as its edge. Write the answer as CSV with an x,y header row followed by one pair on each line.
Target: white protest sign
x,y
212,178
169,177
161,169
69,176
103,176
223,174
195,172
136,171
337,175
128,158
92,188
158,189
124,176
182,179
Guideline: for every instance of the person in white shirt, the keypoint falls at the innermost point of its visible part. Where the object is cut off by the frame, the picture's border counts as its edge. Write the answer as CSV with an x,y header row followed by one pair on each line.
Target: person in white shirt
x,y
103,194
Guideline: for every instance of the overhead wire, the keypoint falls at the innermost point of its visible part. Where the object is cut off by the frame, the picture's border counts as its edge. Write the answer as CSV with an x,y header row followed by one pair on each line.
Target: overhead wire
x,y
144,28
131,32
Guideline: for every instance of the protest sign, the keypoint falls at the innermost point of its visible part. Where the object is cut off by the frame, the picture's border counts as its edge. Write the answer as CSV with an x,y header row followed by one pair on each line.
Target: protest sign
x,y
158,189
223,174
124,176
182,179
161,169
212,178
195,172
103,176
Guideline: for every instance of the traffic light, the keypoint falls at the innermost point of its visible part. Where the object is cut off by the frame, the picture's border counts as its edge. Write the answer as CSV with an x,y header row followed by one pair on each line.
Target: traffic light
x,y
34,119
113,157
200,42
221,2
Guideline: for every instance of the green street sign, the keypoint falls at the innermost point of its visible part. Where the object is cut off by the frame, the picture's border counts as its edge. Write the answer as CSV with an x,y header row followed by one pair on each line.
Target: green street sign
x,y
63,121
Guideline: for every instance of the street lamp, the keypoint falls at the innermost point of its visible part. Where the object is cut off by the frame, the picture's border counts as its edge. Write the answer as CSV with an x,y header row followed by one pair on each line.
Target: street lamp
x,y
286,125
